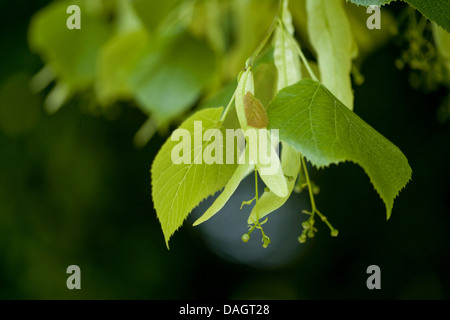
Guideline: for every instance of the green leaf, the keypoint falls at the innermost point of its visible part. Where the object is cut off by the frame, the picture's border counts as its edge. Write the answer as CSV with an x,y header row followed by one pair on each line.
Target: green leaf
x,y
367,3
179,188
172,75
331,37
251,20
287,63
321,128
72,54
269,201
115,65
437,11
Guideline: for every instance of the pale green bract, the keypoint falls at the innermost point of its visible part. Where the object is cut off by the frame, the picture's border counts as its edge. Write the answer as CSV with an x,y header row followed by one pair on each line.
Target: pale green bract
x,y
246,84
287,63
331,36
241,172
72,55
177,189
269,201
274,181
286,58
313,121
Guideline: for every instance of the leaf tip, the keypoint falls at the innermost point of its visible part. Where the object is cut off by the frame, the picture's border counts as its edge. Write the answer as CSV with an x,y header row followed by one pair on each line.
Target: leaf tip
x,y
388,213
390,205
167,237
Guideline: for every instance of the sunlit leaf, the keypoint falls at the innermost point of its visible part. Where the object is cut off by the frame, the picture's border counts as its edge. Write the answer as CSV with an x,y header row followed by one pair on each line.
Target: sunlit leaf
x,y
179,188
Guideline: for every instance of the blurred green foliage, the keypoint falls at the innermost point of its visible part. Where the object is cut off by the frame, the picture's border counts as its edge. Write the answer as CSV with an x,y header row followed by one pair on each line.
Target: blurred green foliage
x,y
74,189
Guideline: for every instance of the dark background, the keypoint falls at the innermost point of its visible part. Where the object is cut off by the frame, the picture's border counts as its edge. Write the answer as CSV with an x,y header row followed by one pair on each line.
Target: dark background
x,y
74,190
